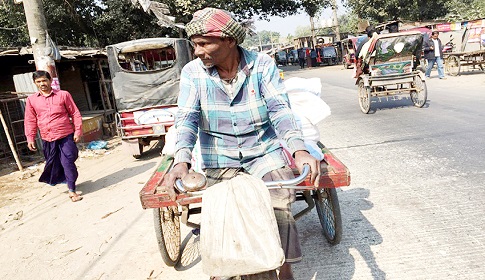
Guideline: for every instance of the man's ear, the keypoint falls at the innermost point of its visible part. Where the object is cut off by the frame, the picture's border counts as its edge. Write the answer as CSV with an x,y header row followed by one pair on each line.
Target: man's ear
x,y
232,41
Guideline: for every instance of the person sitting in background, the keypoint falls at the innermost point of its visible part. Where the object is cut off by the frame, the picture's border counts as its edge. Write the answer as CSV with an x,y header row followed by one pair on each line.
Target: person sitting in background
x,y
363,49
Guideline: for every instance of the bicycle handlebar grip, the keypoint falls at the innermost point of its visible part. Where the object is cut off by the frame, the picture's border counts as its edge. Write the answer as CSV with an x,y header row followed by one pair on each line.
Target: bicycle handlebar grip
x,y
291,182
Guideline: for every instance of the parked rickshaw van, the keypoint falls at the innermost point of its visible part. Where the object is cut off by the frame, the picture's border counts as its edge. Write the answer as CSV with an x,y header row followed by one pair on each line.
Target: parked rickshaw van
x,y
145,74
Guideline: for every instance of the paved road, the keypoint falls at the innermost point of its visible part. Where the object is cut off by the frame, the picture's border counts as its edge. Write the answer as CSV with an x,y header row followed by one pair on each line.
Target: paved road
x,y
415,207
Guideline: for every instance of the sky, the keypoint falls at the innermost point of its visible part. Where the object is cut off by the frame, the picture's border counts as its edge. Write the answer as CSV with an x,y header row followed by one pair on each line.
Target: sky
x,y
288,25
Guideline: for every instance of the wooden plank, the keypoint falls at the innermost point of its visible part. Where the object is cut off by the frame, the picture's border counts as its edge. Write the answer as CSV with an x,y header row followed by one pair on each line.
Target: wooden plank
x,y
334,174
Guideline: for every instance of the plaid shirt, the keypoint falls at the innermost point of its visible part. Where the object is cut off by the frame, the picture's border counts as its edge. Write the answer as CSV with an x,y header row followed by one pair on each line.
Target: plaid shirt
x,y
239,131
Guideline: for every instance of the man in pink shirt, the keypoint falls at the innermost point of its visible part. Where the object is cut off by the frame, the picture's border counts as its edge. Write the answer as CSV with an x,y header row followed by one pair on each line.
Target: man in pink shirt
x,y
56,116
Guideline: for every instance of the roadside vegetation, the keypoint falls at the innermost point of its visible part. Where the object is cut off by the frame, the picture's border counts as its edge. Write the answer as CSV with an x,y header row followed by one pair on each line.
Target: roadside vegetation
x,y
87,23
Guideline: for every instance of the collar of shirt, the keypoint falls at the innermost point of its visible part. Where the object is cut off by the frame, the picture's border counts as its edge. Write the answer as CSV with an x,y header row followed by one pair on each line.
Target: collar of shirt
x,y
230,133
53,91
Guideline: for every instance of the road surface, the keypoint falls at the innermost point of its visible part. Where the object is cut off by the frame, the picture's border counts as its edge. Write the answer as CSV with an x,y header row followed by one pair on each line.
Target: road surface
x,y
414,209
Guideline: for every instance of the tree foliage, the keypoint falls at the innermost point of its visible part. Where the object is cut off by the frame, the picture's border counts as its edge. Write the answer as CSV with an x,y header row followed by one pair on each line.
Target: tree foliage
x,y
414,10
13,28
303,31
385,10
98,23
263,37
348,23
459,10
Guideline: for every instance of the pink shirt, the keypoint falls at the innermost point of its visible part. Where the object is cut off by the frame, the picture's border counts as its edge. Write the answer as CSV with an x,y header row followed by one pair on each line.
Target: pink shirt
x,y
52,116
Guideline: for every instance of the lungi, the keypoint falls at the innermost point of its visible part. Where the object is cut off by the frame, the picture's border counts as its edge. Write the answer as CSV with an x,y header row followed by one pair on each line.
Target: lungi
x,y
60,156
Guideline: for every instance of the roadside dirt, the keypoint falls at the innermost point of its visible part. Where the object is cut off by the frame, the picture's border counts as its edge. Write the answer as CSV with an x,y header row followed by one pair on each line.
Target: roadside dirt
x,y
14,183
107,235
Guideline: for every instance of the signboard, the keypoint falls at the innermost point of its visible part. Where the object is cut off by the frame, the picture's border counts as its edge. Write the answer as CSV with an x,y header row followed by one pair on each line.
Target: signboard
x,y
451,26
476,23
475,34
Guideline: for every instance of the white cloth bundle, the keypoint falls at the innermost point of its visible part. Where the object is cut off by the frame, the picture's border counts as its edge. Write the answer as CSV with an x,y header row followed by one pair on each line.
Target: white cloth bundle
x,y
239,234
309,109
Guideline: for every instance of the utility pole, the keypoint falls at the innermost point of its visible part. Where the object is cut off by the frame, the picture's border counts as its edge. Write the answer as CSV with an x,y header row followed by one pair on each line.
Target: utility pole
x,y
335,20
36,23
312,29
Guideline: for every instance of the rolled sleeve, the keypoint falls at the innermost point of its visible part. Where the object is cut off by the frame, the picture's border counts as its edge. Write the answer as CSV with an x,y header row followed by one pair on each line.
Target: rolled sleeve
x,y
183,155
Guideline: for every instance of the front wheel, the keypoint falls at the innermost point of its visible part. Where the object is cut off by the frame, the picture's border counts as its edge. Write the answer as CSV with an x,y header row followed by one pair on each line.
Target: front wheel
x,y
364,97
420,94
167,230
328,209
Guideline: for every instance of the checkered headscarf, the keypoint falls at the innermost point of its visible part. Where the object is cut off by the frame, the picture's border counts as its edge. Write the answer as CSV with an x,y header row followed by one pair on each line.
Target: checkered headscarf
x,y
215,23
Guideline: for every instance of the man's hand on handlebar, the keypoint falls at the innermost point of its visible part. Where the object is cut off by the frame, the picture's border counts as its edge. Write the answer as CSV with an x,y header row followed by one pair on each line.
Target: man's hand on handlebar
x,y
177,172
302,157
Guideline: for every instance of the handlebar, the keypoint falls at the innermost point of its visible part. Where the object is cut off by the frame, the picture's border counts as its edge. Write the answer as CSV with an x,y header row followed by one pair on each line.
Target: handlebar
x,y
282,184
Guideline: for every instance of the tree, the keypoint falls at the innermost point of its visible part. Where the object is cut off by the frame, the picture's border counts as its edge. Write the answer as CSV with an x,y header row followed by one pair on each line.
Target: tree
x,y
121,21
83,23
243,9
385,10
303,31
13,28
348,23
102,22
263,37
459,10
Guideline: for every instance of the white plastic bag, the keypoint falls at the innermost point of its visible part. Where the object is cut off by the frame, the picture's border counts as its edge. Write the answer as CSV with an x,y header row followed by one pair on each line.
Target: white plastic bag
x,y
239,234
296,84
170,139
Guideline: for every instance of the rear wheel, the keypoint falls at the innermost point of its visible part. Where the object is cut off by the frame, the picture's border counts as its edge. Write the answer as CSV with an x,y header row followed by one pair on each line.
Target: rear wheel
x,y
167,230
453,65
328,209
420,95
364,97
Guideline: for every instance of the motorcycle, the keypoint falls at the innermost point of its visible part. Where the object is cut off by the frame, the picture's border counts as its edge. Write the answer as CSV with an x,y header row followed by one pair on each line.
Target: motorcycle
x,y
449,47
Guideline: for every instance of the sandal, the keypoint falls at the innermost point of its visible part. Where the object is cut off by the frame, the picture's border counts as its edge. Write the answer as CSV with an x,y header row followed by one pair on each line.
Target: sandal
x,y
75,197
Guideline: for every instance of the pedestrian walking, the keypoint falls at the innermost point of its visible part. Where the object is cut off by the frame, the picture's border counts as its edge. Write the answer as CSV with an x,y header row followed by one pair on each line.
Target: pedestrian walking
x,y
433,52
50,111
301,58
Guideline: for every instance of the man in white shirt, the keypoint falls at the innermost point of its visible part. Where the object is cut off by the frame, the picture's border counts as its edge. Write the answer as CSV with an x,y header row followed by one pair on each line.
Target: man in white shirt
x,y
433,52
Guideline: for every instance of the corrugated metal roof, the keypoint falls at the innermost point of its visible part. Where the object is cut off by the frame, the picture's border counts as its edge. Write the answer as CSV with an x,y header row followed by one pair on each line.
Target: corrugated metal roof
x,y
66,52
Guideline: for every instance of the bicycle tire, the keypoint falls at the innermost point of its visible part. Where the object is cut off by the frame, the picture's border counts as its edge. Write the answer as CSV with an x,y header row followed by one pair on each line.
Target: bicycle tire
x,y
167,230
364,97
328,210
420,95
